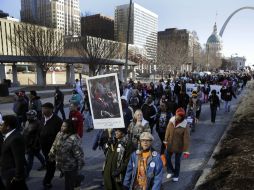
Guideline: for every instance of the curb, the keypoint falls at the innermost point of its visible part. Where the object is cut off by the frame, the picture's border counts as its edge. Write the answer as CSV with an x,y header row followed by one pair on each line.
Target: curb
x,y
208,166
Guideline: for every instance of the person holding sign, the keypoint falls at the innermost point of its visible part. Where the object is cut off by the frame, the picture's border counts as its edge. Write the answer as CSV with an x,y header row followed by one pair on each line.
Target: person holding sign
x,y
117,158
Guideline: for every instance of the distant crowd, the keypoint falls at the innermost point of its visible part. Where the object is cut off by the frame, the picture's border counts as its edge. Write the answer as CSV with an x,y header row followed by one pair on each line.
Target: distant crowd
x,y
131,162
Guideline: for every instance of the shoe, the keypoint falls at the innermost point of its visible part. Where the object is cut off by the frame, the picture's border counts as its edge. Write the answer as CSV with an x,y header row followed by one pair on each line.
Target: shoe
x,y
43,167
169,175
175,179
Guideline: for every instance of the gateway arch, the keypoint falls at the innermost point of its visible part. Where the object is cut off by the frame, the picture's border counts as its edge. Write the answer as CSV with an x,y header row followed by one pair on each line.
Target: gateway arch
x,y
228,19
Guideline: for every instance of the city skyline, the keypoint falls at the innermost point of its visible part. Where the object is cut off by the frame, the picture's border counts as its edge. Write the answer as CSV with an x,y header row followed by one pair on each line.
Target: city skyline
x,y
196,15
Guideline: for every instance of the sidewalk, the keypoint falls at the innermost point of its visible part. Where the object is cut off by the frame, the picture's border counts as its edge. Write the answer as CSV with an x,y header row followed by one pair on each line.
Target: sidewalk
x,y
6,109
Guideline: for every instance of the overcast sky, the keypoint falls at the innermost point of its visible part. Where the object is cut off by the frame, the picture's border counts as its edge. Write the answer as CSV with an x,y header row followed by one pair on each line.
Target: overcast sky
x,y
198,15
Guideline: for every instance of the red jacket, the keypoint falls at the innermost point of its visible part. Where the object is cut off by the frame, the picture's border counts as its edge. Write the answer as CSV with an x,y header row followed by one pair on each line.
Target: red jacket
x,y
77,119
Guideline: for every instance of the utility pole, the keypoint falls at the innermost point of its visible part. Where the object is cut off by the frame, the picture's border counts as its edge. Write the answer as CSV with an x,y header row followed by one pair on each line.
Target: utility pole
x,y
193,56
207,53
127,43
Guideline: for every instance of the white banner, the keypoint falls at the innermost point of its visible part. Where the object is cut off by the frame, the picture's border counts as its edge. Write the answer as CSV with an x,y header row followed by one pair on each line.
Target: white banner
x,y
217,88
190,87
105,102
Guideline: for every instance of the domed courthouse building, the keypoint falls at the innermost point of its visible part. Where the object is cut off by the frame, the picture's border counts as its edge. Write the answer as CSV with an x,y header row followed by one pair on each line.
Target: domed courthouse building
x,y
213,49
214,43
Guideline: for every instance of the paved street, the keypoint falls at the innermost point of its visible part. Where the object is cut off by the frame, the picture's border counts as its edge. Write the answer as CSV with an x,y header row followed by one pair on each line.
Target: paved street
x,y
203,142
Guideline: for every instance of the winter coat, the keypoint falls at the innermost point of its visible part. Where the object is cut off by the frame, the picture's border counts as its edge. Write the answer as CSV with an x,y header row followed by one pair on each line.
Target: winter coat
x,y
178,137
101,140
31,135
49,131
162,121
136,130
35,104
117,160
77,120
21,107
67,152
183,100
149,113
228,93
127,116
223,93
58,98
214,101
154,172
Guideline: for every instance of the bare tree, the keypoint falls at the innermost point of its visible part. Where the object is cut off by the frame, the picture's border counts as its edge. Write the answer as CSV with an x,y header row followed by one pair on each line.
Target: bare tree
x,y
40,43
98,51
172,55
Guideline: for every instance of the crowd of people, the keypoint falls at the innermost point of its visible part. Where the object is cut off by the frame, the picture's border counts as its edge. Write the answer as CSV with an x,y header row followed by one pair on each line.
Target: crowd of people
x,y
131,162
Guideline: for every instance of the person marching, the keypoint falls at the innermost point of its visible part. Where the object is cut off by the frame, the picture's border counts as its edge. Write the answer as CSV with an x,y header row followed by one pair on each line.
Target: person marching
x,y
136,127
77,119
196,102
35,103
59,102
161,124
177,140
117,158
12,154
68,154
31,135
145,169
214,104
51,126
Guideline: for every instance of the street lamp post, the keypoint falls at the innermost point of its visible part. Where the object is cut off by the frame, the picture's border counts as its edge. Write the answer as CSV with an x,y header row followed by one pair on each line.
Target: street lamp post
x,y
127,42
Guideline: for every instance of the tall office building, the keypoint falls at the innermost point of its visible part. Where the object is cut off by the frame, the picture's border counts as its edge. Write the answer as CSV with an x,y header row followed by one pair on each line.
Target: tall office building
x,y
61,14
97,26
178,49
143,27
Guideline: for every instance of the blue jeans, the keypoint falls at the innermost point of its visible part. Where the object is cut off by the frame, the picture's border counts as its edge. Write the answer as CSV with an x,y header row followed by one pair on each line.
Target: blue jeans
x,y
88,120
170,168
227,106
61,109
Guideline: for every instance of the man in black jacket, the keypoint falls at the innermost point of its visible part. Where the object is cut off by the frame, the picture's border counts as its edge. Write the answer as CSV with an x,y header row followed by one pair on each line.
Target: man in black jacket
x,y
214,104
12,155
51,126
59,102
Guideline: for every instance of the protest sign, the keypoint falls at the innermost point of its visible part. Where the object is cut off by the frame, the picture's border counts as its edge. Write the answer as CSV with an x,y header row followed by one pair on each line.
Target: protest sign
x,y
104,97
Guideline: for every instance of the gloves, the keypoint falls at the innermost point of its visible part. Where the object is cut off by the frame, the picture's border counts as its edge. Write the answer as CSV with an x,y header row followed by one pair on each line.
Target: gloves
x,y
186,155
116,173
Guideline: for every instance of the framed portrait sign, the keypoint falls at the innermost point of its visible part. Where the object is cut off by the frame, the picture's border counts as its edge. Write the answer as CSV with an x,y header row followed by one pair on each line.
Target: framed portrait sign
x,y
105,103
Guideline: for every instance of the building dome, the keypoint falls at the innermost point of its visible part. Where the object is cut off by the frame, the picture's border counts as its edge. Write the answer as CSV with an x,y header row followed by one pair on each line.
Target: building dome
x,y
214,37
